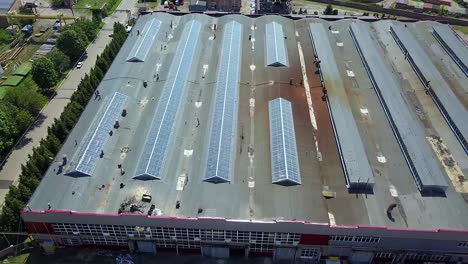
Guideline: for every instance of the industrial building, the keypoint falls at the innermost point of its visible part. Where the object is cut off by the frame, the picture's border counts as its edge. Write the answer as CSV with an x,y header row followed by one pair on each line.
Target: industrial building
x,y
299,139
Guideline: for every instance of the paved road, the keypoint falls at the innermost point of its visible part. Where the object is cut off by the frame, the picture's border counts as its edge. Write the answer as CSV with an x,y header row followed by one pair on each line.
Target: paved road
x,y
12,168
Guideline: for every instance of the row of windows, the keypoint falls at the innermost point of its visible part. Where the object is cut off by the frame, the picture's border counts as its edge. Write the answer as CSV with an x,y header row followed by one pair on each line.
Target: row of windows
x,y
357,239
104,240
71,241
426,257
313,253
170,233
384,255
463,244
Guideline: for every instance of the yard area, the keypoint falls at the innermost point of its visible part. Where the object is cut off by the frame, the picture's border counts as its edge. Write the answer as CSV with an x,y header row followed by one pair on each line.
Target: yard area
x,y
92,256
111,4
462,29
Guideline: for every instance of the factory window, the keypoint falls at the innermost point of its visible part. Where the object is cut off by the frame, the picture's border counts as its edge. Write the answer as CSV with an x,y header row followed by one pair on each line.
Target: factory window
x,y
165,243
70,241
425,257
384,255
261,247
463,244
287,238
189,244
218,235
113,234
238,236
357,239
312,253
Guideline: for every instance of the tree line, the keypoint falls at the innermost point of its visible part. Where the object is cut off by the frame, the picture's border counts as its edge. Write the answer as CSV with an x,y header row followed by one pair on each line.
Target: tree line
x,y
71,44
43,155
22,103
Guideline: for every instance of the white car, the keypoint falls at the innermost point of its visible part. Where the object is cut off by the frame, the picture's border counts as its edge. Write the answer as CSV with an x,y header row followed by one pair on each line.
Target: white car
x,y
79,65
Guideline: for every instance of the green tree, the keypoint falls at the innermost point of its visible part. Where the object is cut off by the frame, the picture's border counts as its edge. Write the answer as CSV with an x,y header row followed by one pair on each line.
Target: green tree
x,y
13,202
335,12
61,61
328,10
8,131
98,73
24,192
88,27
57,3
44,73
59,130
23,119
102,64
25,11
52,143
26,99
5,37
30,170
72,44
42,157
81,97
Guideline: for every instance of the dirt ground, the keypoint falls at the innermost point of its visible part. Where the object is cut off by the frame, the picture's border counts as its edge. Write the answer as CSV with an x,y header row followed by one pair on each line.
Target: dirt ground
x,y
80,256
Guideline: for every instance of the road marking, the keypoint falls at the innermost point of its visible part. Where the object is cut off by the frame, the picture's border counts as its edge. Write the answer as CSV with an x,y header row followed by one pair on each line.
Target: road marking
x,y
313,120
364,111
393,190
205,67
339,44
350,73
251,184
331,217
252,106
181,182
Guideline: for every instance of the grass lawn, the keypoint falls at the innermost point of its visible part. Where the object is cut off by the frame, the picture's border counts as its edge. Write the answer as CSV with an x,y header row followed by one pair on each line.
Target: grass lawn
x,y
3,90
151,5
97,3
462,29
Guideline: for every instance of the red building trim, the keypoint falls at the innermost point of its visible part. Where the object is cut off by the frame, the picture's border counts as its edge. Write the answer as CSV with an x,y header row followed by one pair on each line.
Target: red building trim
x,y
39,228
310,239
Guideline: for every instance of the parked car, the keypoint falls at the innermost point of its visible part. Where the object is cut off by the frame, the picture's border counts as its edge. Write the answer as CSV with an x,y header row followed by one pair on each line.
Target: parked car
x,y
79,65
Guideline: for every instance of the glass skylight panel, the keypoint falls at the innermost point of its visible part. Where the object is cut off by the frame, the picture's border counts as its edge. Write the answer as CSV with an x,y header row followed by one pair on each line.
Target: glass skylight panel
x,y
284,159
145,41
96,141
156,145
276,54
224,119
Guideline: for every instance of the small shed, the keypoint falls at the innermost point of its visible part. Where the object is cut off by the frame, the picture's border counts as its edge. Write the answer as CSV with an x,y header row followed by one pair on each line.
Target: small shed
x,y
24,69
13,80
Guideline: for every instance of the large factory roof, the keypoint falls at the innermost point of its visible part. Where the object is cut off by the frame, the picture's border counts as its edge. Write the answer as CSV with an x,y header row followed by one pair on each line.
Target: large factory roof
x,y
201,136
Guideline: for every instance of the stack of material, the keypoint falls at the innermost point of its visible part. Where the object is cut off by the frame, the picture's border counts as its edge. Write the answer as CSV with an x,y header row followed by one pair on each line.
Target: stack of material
x,y
43,50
